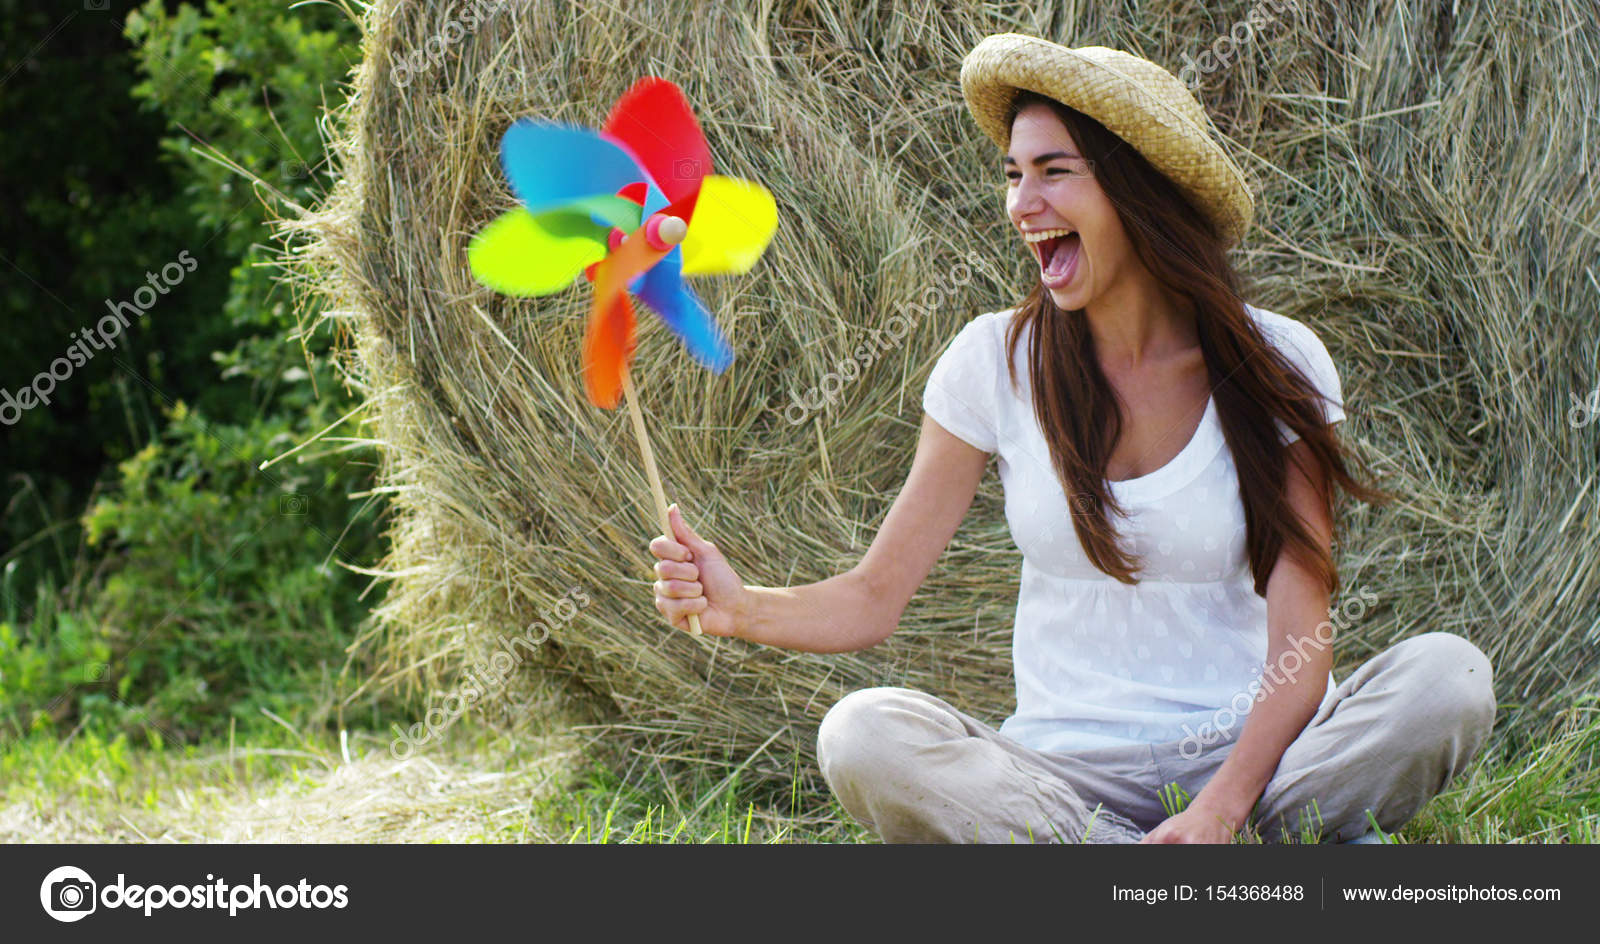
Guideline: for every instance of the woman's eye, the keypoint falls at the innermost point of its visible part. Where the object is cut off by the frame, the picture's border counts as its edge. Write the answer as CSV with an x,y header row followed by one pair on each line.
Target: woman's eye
x,y
1053,170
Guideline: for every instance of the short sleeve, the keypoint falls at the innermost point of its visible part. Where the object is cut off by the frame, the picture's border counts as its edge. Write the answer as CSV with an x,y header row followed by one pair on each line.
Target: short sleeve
x,y
1307,352
961,390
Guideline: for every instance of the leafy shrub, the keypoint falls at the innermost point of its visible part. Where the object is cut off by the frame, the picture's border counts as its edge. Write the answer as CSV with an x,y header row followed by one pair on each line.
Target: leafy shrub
x,y
227,594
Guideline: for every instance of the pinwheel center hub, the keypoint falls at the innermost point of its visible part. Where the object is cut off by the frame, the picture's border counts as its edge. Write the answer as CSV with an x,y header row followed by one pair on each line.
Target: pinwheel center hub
x,y
662,231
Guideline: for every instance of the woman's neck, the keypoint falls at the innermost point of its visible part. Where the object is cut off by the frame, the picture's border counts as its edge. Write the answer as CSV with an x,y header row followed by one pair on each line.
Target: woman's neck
x,y
1142,323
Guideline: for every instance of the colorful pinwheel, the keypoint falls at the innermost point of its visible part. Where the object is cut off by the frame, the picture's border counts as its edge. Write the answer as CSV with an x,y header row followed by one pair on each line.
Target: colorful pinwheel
x,y
604,203
635,208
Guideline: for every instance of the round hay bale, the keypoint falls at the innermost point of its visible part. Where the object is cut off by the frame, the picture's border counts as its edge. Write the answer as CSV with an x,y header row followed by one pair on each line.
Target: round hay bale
x,y
1425,203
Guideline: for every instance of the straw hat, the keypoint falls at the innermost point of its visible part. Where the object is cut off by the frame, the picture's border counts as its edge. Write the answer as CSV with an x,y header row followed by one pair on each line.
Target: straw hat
x,y
1137,100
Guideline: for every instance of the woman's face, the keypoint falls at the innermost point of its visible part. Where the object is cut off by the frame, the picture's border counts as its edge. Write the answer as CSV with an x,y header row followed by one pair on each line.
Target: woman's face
x,y
1051,188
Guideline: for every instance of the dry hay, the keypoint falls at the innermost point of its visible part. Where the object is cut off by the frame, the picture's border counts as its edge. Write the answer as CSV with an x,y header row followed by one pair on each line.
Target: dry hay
x,y
368,796
1425,203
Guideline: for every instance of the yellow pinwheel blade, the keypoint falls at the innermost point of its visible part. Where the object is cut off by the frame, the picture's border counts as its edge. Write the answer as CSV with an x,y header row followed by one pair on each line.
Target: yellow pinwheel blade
x,y
733,222
523,254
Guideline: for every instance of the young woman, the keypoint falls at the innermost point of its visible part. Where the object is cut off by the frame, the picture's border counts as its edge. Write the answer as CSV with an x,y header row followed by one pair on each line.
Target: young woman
x,y
1166,451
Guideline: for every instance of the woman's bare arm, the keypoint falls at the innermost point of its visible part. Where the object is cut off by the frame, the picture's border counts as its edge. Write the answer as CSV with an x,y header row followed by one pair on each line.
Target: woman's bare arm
x,y
1297,611
860,608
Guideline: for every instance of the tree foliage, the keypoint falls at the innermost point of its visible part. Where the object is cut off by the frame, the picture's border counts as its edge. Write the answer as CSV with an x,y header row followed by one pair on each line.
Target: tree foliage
x,y
204,586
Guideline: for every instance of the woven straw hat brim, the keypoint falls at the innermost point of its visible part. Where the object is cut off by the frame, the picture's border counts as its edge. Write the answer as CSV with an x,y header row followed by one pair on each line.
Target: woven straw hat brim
x,y
1137,100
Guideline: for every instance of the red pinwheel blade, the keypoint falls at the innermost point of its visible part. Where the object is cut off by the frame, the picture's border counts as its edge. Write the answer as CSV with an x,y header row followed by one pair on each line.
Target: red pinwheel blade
x,y
654,120
608,342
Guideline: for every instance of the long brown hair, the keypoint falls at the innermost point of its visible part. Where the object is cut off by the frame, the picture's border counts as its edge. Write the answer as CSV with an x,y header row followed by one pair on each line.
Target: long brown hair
x,y
1252,382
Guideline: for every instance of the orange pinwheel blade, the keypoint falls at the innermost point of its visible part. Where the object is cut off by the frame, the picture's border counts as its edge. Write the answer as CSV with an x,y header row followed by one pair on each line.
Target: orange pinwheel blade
x,y
609,341
608,345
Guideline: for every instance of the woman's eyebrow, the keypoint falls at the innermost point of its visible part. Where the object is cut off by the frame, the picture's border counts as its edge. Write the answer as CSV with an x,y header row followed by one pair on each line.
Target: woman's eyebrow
x,y
1042,158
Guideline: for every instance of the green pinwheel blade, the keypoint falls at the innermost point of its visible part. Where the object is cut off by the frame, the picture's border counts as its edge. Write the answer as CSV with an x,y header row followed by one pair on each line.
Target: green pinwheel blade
x,y
526,255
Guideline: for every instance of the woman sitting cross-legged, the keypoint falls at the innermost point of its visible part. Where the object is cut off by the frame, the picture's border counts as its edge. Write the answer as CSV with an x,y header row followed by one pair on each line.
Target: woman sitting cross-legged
x,y
1168,454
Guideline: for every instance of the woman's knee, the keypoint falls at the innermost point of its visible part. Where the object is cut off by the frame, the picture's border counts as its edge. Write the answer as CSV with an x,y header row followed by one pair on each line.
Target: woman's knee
x,y
1455,678
868,727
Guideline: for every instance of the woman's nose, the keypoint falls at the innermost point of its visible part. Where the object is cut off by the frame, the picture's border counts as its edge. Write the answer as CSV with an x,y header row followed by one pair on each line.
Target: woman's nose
x,y
1024,199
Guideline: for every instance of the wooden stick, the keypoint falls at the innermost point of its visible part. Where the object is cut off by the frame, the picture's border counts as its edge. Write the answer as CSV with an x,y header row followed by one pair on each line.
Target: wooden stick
x,y
650,471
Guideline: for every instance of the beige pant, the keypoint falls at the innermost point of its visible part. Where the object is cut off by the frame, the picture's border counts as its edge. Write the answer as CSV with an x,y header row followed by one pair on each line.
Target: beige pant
x,y
913,769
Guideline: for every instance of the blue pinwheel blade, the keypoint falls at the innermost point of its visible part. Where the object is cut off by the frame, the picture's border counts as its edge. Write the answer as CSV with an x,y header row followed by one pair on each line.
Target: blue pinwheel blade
x,y
553,166
663,290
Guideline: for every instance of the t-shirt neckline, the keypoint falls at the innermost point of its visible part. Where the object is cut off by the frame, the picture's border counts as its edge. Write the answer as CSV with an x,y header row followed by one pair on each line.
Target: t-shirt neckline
x,y
1202,446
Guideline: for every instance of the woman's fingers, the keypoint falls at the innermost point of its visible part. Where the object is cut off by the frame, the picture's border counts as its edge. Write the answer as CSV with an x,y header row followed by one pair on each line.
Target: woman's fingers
x,y
668,549
677,611
693,579
677,570
679,592
679,589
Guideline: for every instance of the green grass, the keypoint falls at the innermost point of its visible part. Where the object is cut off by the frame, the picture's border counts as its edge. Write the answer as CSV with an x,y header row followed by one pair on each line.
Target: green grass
x,y
95,788
103,786
605,808
1544,791
1547,790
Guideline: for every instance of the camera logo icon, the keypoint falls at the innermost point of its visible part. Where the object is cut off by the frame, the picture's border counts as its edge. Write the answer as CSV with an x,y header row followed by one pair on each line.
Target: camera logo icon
x,y
67,893
292,506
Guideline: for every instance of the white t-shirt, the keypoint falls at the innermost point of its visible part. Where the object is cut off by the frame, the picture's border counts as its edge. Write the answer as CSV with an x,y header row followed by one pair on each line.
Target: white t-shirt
x,y
1099,662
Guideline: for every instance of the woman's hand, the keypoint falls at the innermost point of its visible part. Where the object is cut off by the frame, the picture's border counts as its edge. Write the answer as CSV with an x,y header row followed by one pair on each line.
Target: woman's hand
x,y
694,577
1194,824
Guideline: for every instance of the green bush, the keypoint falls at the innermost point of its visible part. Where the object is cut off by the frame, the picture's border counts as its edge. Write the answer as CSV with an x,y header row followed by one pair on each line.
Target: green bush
x,y
227,594
206,588
223,588
46,654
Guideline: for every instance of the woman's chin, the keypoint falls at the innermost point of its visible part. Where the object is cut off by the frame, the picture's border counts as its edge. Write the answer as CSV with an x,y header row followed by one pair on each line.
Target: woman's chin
x,y
1068,298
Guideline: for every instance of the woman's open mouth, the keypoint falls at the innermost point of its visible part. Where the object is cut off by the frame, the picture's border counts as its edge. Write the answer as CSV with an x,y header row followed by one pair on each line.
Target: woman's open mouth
x,y
1058,259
